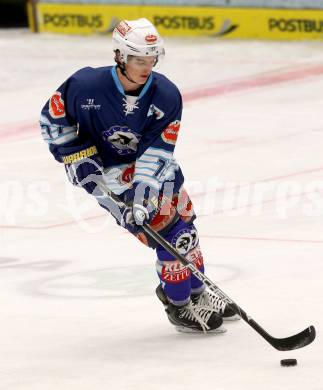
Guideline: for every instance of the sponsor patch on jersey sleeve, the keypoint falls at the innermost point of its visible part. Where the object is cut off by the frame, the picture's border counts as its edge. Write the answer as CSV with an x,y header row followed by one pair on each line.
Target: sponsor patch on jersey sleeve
x,y
170,134
56,106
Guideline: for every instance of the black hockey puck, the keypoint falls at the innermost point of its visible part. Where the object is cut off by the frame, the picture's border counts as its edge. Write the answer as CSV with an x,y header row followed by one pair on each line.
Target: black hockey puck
x,y
288,362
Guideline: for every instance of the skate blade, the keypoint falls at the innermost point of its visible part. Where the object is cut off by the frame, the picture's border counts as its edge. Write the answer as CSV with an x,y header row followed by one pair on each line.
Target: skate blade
x,y
183,329
235,317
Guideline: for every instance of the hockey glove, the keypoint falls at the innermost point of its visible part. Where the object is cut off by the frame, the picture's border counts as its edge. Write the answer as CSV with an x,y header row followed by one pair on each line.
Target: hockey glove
x,y
143,202
80,163
128,221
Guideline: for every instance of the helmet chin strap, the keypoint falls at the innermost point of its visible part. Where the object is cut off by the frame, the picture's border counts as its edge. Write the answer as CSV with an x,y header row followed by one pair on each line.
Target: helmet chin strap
x,y
122,68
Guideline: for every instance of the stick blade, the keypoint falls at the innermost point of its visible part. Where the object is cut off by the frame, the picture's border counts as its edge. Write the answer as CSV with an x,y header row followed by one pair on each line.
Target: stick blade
x,y
297,341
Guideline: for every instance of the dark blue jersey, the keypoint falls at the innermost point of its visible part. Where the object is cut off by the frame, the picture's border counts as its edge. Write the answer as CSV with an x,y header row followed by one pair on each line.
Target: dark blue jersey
x,y
92,106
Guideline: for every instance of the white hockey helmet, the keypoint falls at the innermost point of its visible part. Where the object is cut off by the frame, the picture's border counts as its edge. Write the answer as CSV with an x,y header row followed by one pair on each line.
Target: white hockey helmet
x,y
137,38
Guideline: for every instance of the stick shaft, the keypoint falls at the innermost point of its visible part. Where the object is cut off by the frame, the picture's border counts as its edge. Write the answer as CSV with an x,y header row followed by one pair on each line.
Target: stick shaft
x,y
282,344
293,342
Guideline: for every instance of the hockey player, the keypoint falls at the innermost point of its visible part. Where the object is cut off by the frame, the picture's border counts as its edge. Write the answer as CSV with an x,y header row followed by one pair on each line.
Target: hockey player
x,y
119,124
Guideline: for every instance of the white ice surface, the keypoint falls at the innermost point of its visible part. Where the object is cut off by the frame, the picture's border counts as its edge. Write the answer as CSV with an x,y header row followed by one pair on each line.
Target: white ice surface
x,y
77,303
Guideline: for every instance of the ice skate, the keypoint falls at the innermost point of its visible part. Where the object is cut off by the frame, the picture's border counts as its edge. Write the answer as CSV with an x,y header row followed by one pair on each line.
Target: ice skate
x,y
209,300
191,318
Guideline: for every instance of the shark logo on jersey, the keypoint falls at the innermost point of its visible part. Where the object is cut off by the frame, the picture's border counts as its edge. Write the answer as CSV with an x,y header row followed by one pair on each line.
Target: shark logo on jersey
x,y
122,139
153,110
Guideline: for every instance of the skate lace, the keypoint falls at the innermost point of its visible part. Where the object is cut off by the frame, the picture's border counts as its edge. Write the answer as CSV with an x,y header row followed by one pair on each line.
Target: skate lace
x,y
198,314
210,301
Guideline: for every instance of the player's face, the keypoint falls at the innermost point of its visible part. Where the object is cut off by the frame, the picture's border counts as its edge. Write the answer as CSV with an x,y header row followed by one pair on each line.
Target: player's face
x,y
139,68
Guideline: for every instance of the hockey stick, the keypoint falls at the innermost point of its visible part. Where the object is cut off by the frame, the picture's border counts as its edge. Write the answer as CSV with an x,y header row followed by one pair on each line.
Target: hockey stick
x,y
299,340
296,341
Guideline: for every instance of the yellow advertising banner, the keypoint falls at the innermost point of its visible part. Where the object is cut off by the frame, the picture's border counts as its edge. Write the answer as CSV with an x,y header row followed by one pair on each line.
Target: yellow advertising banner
x,y
184,21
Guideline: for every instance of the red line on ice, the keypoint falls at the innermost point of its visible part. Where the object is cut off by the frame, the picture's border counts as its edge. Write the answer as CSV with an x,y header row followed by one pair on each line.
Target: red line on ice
x,y
255,81
23,130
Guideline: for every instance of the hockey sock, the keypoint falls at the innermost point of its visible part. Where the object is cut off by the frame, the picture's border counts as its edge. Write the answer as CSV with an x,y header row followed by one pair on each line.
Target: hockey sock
x,y
176,279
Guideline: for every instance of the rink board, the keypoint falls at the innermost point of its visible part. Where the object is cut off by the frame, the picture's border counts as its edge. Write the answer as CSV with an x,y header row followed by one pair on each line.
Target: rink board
x,y
272,24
